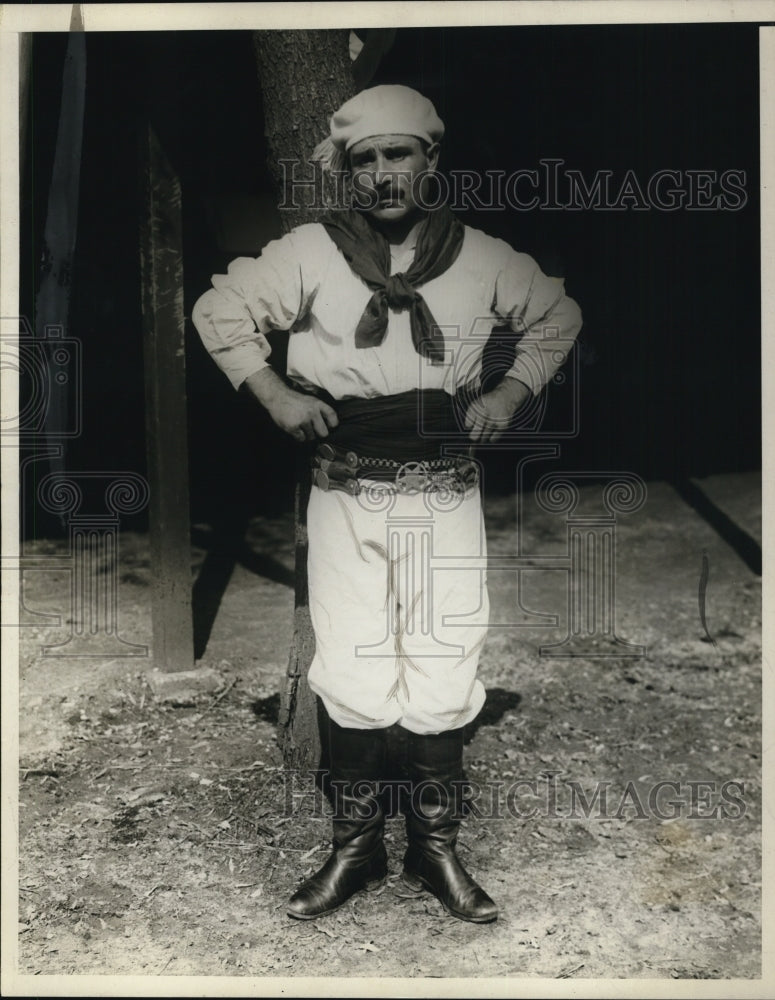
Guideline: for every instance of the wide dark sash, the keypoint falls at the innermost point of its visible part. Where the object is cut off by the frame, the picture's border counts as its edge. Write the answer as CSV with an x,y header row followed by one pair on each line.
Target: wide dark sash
x,y
406,427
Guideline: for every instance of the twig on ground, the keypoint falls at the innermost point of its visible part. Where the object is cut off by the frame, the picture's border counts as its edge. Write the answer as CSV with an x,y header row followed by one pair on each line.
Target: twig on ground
x,y
244,819
220,697
128,767
151,891
229,846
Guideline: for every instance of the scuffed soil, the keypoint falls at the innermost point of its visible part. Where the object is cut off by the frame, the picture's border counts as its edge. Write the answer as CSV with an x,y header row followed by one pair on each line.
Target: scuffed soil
x,y
160,839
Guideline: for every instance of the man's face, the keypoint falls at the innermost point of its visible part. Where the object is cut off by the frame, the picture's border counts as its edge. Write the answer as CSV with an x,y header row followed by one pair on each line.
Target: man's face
x,y
386,172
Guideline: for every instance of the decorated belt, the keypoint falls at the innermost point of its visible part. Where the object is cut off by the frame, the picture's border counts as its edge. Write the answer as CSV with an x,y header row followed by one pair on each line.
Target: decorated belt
x,y
336,469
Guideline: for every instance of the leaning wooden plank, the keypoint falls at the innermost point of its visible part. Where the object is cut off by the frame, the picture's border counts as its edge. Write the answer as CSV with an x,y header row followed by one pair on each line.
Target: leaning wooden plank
x,y
165,407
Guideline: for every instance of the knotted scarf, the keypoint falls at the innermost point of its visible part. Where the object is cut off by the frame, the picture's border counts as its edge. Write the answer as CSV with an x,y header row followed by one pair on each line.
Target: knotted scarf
x,y
368,253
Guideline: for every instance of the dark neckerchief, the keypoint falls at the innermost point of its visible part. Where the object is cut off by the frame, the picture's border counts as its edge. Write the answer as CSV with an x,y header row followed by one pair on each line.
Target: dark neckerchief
x,y
366,250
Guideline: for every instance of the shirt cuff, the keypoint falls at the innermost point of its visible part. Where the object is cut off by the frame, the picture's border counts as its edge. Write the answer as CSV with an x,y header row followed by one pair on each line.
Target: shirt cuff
x,y
238,363
527,372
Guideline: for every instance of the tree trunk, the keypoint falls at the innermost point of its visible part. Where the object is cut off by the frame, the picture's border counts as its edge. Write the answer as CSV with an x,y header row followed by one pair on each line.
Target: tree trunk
x,y
305,76
52,302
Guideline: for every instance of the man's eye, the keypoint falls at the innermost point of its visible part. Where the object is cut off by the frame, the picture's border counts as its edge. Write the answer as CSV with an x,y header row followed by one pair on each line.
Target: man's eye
x,y
396,154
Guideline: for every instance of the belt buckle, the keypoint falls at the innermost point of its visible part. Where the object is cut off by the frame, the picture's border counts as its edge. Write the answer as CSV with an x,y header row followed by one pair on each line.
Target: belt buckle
x,y
412,477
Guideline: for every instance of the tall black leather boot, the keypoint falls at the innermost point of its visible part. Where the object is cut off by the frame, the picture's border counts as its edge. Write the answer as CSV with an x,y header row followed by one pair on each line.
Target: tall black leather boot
x,y
435,763
359,859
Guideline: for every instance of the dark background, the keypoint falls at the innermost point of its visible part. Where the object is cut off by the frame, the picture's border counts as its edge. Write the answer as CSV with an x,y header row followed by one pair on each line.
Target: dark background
x,y
669,356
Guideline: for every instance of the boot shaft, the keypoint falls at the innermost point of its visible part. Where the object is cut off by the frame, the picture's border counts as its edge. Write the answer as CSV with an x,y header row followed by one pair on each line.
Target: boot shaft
x,y
435,766
357,764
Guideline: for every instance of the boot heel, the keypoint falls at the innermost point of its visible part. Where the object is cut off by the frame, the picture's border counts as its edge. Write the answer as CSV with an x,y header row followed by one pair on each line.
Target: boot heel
x,y
412,882
376,883
379,870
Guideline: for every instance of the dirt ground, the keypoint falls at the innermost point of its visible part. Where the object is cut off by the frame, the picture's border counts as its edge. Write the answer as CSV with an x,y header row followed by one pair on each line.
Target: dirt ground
x,y
165,840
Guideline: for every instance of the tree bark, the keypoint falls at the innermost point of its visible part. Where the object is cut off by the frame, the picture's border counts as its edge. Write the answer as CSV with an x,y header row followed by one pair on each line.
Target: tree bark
x,y
52,302
305,76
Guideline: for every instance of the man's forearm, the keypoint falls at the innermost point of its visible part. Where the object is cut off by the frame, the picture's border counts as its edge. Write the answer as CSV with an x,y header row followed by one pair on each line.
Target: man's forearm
x,y
515,391
303,416
266,386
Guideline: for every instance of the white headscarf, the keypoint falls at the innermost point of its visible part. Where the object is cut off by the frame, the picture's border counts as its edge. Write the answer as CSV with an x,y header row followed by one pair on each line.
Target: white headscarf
x,y
383,110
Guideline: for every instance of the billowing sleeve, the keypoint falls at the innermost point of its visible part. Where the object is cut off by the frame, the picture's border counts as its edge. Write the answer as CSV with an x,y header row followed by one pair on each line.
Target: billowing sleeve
x,y
254,296
537,307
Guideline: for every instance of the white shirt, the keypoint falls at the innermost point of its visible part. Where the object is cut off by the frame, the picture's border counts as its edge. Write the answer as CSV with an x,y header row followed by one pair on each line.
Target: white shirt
x,y
302,283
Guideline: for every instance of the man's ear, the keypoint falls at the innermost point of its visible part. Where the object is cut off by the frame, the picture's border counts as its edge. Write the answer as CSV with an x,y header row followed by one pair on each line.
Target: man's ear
x,y
432,155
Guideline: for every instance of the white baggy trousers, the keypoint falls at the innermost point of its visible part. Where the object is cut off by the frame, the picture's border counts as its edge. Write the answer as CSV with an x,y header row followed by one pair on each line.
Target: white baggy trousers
x,y
399,606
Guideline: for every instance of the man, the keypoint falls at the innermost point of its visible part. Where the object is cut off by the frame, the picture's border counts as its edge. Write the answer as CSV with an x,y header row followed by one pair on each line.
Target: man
x,y
389,304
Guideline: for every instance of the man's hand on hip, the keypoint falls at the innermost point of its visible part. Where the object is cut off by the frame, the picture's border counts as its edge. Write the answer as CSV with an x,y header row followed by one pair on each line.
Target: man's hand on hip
x,y
489,416
303,417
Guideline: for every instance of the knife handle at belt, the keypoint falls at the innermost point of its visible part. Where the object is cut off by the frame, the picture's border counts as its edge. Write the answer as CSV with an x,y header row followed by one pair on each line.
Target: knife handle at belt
x,y
325,482
328,453
336,468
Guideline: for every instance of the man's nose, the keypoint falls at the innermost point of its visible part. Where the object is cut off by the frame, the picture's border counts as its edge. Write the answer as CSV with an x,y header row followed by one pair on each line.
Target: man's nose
x,y
382,171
